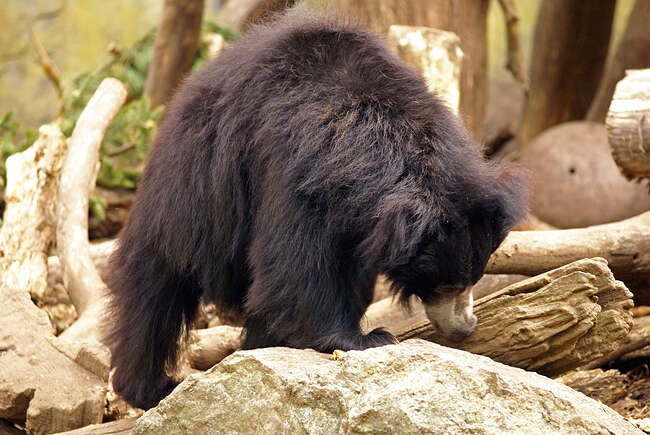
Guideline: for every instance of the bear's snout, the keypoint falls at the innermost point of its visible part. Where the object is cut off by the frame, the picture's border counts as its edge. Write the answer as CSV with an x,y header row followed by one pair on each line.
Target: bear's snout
x,y
453,315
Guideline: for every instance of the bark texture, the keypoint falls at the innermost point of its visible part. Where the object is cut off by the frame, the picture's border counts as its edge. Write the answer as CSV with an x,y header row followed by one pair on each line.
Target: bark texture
x,y
29,224
625,245
569,53
174,49
628,124
550,323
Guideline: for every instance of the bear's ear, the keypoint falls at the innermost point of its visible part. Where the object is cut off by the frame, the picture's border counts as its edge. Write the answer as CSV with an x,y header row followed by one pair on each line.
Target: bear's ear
x,y
503,202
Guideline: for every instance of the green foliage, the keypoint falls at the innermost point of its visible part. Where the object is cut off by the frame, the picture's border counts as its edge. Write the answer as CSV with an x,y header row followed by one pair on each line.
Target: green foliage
x,y
126,144
97,205
129,66
230,35
12,142
128,138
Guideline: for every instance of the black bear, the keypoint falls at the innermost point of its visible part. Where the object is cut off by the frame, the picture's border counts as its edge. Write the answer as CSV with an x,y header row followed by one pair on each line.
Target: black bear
x,y
285,176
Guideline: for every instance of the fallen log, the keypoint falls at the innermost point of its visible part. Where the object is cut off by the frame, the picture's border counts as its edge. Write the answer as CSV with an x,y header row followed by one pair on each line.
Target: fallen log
x,y
628,124
625,245
549,323
29,226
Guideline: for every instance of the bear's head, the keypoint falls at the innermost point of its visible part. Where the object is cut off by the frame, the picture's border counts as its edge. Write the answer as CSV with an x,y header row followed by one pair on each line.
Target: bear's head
x,y
454,248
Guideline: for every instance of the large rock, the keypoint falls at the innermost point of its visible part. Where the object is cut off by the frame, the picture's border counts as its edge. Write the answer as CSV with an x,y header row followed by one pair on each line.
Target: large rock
x,y
40,386
575,180
413,387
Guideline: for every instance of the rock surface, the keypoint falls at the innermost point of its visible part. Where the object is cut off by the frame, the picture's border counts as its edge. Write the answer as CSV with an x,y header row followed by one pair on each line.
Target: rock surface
x,y
39,385
413,387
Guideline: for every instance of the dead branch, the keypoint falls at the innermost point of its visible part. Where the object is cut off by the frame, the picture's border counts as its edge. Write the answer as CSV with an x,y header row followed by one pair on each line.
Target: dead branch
x,y
625,245
47,64
628,124
516,64
84,285
549,323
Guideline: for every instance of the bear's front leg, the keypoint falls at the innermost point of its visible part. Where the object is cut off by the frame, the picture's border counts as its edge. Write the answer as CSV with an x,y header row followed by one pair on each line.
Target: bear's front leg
x,y
307,292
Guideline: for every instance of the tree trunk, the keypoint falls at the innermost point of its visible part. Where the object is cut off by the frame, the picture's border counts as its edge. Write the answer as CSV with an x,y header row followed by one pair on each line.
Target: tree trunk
x,y
632,53
625,245
174,49
465,18
628,124
242,13
569,53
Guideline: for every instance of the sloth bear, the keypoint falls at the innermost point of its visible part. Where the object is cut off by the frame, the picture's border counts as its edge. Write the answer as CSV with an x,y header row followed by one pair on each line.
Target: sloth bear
x,y
285,176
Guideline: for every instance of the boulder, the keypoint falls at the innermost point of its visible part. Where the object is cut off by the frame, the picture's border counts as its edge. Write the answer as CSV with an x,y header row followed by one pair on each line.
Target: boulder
x,y
412,387
575,180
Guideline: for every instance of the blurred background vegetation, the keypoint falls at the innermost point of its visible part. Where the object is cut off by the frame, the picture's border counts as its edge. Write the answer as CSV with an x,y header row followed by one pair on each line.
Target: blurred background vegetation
x,y
77,33
88,40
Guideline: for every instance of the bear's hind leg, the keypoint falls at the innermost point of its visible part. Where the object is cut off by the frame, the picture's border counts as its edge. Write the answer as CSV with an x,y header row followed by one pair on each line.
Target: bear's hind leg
x,y
150,307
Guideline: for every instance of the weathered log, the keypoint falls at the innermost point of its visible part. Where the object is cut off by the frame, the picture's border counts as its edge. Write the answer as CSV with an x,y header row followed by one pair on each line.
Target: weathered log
x,y
436,54
549,323
628,124
29,227
84,285
625,245
174,49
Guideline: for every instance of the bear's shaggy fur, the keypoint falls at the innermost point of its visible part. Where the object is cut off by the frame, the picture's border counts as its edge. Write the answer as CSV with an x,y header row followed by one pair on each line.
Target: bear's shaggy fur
x,y
285,176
